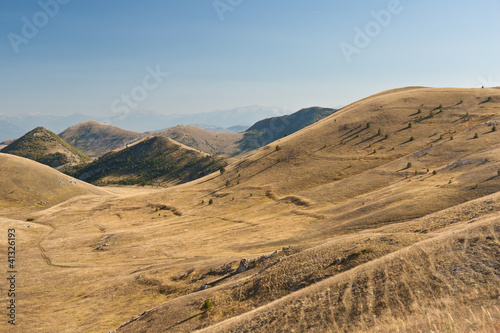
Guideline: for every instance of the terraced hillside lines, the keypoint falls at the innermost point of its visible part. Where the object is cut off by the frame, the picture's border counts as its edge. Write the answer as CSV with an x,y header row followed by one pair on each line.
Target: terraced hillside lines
x,y
43,146
96,139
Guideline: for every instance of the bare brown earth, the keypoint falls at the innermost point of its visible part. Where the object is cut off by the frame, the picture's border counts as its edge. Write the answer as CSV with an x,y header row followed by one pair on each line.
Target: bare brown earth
x,y
340,233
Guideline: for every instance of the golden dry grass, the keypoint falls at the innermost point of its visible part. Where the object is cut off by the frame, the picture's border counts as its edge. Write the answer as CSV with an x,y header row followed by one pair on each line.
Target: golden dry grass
x,y
356,220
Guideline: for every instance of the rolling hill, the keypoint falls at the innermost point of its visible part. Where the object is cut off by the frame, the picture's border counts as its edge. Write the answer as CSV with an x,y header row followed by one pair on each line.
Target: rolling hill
x,y
96,139
220,143
270,129
43,146
157,159
258,135
26,184
382,216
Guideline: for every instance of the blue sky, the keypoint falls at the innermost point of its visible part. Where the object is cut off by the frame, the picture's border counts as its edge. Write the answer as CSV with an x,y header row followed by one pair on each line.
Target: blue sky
x,y
273,53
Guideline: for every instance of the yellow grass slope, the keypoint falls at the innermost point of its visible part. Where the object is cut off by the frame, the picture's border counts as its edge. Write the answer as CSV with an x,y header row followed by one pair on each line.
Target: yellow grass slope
x,y
25,184
336,195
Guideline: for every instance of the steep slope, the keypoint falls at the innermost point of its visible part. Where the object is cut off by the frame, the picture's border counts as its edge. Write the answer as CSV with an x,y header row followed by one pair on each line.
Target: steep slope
x,y
157,159
220,143
336,223
96,139
43,146
271,129
27,184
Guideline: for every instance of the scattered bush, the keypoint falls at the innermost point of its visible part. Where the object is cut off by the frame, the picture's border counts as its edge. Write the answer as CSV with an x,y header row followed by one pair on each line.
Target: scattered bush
x,y
431,114
368,125
211,201
30,219
412,138
489,99
409,124
434,172
476,136
207,305
278,148
222,170
408,165
419,111
494,128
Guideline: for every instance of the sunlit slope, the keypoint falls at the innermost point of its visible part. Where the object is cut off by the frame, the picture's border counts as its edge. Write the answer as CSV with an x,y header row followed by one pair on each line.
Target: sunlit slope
x,y
28,184
338,210
96,139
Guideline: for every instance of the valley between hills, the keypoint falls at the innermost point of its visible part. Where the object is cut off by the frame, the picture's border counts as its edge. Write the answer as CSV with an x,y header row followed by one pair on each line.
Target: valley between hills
x,y
382,216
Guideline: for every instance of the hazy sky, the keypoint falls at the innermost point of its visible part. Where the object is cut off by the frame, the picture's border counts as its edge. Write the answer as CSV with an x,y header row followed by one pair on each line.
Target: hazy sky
x,y
87,56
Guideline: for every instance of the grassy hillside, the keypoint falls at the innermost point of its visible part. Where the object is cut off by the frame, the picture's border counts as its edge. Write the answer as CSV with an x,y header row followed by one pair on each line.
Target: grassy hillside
x,y
219,143
96,139
43,146
260,134
337,227
158,160
271,129
26,184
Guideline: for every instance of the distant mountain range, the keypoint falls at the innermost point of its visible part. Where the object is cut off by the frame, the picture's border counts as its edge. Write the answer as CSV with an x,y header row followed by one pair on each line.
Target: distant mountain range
x,y
231,120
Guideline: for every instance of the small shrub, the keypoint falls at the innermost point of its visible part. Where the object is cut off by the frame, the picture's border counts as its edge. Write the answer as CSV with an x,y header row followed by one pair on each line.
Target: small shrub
x,y
494,128
498,172
412,138
387,136
368,125
211,201
476,136
419,111
228,183
451,138
207,305
279,160
431,114
434,172
408,165
379,132
278,148
409,124
440,137
30,219
222,170
489,99
202,202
